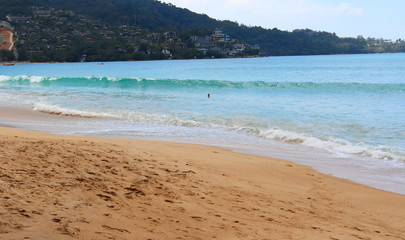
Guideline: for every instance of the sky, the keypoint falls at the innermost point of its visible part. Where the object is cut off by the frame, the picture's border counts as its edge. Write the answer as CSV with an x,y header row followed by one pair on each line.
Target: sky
x,y
350,18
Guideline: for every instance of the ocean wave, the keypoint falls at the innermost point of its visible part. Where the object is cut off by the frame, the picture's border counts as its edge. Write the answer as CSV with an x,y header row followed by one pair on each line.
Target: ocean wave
x,y
249,126
27,79
57,110
334,144
136,82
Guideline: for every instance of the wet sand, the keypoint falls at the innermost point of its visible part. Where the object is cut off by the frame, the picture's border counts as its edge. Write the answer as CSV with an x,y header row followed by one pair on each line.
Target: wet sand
x,y
69,187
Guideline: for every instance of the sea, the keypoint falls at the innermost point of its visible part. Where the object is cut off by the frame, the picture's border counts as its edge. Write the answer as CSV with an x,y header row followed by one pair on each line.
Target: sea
x,y
343,115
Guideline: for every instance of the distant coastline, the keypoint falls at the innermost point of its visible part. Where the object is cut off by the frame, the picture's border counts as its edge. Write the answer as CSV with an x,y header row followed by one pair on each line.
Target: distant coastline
x,y
27,62
259,56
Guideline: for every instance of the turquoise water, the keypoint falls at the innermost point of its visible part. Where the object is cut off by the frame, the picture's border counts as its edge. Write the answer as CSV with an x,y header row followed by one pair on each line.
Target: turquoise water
x,y
350,104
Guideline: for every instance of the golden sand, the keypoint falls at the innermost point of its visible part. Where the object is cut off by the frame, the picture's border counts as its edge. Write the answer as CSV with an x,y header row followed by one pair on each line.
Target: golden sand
x,y
65,187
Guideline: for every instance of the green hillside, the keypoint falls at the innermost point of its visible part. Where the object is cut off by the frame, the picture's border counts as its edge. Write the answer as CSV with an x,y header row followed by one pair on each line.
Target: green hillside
x,y
155,15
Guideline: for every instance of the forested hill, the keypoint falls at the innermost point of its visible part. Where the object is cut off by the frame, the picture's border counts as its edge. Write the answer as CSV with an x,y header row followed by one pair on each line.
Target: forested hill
x,y
155,15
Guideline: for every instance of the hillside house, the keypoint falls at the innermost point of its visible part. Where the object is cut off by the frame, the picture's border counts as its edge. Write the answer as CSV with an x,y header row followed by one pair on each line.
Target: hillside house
x,y
18,18
219,36
202,41
4,24
170,36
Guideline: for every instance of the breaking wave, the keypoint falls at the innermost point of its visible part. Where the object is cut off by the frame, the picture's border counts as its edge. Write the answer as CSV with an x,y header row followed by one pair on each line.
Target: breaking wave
x,y
56,110
116,82
247,126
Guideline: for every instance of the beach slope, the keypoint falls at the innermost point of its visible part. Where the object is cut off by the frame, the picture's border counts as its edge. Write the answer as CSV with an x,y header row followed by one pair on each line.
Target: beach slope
x,y
66,187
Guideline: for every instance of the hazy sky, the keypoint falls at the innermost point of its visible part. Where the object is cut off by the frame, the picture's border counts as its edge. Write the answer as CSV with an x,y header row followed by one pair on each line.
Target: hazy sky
x,y
350,18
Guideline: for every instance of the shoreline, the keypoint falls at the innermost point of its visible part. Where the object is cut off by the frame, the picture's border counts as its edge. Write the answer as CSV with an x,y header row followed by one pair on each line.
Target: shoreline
x,y
74,187
256,56
27,63
370,172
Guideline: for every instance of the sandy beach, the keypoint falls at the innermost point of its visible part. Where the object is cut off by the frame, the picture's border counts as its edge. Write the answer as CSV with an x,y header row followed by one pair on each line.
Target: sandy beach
x,y
69,187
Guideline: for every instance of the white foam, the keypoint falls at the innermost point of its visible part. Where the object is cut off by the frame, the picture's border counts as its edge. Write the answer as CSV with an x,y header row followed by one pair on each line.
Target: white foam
x,y
139,79
54,109
114,79
35,79
32,79
333,145
4,78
